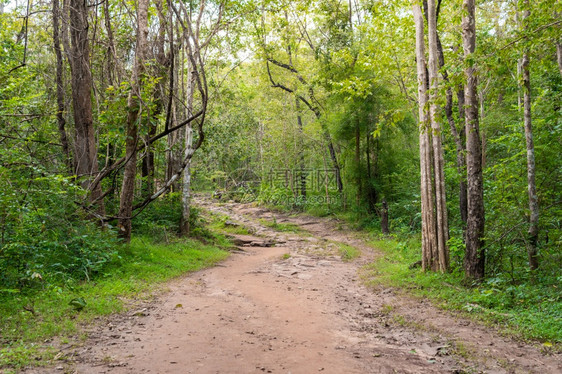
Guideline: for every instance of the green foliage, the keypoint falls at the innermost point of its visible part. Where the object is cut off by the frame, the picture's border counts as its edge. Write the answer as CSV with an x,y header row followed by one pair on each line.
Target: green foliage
x,y
505,177
161,219
45,238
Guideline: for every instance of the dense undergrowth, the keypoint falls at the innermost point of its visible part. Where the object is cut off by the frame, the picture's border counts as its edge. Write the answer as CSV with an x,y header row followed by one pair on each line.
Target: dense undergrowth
x,y
56,304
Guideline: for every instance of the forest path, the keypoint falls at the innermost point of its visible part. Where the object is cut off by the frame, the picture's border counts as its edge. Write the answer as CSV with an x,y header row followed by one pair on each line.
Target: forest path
x,y
295,307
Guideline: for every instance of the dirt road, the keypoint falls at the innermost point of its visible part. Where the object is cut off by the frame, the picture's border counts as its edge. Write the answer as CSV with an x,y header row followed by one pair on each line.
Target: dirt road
x,y
295,307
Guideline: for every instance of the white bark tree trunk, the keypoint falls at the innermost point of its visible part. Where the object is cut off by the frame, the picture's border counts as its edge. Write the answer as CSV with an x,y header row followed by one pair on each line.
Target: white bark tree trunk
x,y
429,243
531,184
441,262
186,184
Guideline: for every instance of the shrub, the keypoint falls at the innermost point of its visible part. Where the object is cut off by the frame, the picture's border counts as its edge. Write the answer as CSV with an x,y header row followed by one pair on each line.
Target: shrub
x,y
45,236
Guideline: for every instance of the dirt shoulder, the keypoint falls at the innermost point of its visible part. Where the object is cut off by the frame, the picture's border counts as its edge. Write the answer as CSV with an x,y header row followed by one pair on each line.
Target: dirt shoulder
x,y
294,307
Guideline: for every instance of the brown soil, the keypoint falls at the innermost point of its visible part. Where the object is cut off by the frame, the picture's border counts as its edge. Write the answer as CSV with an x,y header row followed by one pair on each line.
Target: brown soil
x,y
294,307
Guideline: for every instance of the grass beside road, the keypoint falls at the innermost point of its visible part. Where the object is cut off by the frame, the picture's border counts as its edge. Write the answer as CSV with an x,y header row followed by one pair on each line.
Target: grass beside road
x,y
28,322
523,310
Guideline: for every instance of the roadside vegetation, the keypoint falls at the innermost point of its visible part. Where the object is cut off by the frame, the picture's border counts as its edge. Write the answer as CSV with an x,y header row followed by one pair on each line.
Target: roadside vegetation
x,y
53,306
513,304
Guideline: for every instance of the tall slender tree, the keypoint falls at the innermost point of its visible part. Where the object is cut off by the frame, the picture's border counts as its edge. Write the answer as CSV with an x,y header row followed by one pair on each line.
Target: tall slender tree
x,y
61,109
134,114
531,184
474,260
458,137
441,263
188,139
85,148
429,240
435,231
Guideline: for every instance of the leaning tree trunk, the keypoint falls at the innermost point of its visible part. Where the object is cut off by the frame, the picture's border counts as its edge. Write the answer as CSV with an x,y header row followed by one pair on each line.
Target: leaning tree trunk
x,y
532,187
133,105
474,261
442,227
85,153
429,239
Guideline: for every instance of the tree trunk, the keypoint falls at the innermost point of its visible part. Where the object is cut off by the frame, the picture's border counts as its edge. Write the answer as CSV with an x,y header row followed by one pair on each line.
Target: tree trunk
x,y
148,168
442,227
60,89
358,164
482,101
186,185
384,218
302,162
333,157
371,192
302,184
429,239
133,105
474,261
114,69
85,152
173,156
461,159
532,188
